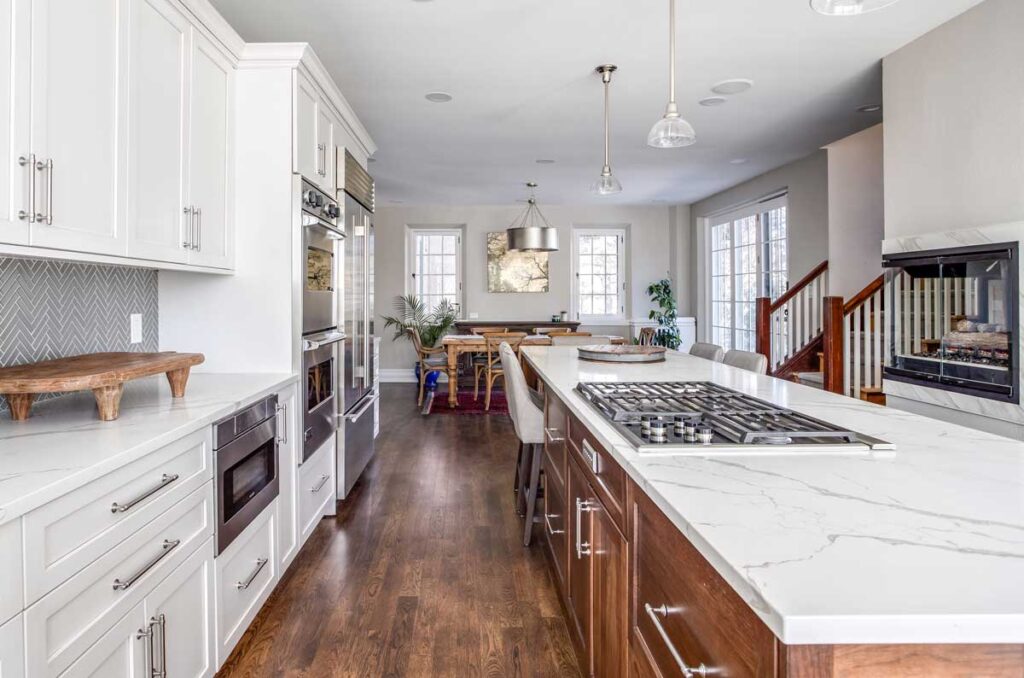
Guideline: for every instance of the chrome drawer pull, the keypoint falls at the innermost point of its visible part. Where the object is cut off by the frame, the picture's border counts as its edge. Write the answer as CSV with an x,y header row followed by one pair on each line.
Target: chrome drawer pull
x,y
161,623
30,214
547,522
165,480
550,434
48,167
168,546
591,454
319,486
282,410
243,585
582,547
653,613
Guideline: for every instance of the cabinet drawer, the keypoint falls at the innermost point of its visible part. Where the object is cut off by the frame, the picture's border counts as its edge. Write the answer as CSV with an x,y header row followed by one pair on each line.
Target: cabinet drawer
x,y
681,605
556,425
601,469
11,597
246,574
315,488
556,534
72,617
70,532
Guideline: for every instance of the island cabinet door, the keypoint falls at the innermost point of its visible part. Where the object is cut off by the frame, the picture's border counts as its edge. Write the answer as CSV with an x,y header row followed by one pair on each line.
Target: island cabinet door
x,y
685,616
610,595
580,562
555,526
555,435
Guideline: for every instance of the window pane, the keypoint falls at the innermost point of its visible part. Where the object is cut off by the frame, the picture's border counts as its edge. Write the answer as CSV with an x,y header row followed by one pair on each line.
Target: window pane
x,y
598,265
448,285
586,265
449,244
598,244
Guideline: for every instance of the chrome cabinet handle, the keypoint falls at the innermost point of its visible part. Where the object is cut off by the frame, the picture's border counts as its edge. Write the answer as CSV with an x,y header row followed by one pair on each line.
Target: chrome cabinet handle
x,y
160,622
547,523
551,435
282,411
653,613
187,242
165,480
146,635
243,585
168,546
582,547
193,227
48,167
30,215
319,486
591,455
199,229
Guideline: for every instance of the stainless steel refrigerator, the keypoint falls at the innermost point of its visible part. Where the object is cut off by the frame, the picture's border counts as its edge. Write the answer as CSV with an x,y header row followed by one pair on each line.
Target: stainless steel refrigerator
x,y
360,397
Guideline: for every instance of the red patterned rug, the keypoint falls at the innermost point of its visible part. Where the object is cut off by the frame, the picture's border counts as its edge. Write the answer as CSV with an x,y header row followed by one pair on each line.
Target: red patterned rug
x,y
467,405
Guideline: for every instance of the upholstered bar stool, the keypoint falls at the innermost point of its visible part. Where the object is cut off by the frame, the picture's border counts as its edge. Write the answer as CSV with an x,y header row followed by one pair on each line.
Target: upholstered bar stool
x,y
712,352
528,420
745,360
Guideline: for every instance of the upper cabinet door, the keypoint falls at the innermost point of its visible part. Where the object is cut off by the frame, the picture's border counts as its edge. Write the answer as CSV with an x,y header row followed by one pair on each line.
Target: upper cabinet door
x,y
156,217
15,208
77,90
210,171
306,146
325,144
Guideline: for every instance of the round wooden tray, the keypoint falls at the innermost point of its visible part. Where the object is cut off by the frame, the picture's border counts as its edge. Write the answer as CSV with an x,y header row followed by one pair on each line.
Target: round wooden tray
x,y
622,354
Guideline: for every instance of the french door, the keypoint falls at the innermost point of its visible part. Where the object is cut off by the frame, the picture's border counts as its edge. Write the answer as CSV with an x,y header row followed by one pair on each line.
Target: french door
x,y
749,259
436,261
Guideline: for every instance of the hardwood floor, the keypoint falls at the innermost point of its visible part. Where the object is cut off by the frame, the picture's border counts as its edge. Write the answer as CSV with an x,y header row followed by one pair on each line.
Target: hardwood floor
x,y
423,572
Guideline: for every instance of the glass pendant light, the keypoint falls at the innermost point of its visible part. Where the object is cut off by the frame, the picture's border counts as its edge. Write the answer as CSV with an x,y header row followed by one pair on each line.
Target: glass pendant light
x,y
848,7
526,234
671,131
606,184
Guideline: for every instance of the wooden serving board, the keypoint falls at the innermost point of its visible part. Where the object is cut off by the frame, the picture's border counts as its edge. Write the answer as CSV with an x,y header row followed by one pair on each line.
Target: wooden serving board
x,y
102,373
628,353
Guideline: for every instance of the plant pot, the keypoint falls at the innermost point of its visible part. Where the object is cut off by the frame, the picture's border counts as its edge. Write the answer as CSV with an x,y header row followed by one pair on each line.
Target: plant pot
x,y
431,383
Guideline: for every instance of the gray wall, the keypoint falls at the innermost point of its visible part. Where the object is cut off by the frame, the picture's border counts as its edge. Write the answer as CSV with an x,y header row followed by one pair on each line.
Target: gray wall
x,y
650,246
56,309
954,124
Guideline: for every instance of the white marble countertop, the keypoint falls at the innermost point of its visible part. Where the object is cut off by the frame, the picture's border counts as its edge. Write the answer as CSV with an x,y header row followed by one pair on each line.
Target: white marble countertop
x,y
63,445
924,544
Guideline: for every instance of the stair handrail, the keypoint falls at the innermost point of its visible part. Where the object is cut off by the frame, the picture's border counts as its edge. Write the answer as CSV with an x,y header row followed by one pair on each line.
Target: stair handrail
x,y
766,308
861,297
800,285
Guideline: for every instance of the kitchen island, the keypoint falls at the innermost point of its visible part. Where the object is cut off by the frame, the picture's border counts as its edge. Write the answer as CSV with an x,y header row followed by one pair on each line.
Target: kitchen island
x,y
828,563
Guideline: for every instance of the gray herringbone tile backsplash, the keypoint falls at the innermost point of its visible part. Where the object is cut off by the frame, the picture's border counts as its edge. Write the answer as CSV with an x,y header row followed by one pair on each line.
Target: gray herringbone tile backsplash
x,y
54,309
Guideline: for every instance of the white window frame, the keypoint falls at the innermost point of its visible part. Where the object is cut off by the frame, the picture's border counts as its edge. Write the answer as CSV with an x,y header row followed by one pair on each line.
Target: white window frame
x,y
412,233
623,256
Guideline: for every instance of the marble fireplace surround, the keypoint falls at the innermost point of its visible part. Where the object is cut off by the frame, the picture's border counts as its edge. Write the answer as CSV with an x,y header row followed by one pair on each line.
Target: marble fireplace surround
x,y
973,405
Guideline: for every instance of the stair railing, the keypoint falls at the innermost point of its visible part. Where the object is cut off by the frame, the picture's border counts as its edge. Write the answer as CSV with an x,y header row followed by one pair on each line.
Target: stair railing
x,y
855,340
794,320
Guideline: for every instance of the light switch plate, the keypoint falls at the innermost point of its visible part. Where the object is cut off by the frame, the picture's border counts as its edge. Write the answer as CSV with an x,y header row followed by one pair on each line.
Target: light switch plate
x,y
136,322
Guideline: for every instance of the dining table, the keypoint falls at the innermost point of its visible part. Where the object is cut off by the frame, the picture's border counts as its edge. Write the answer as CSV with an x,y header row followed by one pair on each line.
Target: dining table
x,y
457,344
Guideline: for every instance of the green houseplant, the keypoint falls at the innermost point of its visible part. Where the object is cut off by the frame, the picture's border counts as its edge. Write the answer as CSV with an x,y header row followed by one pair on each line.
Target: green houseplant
x,y
431,325
667,334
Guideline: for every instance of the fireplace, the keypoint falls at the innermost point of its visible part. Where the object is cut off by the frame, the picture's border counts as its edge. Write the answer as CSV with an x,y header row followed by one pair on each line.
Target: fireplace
x,y
953,320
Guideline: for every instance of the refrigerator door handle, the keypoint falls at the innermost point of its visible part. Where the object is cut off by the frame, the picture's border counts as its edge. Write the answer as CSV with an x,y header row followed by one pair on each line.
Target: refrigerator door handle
x,y
354,417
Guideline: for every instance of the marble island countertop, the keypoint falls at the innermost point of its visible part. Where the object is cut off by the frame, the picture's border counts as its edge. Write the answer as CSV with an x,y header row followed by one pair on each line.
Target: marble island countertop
x,y
64,445
923,544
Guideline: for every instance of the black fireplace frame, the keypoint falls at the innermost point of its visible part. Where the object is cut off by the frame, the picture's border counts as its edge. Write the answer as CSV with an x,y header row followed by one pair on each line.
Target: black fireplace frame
x,y
1006,394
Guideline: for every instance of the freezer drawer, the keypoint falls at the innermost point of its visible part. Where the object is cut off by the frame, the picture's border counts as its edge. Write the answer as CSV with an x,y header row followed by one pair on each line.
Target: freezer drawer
x,y
359,443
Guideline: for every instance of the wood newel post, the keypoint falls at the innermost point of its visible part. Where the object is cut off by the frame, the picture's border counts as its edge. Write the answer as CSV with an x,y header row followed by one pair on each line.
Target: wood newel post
x,y
832,343
764,328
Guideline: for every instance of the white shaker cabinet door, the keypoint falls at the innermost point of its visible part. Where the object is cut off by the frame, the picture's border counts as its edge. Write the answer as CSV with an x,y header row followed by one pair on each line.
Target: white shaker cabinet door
x,y
15,201
289,454
12,648
181,610
77,94
122,652
308,153
156,218
210,154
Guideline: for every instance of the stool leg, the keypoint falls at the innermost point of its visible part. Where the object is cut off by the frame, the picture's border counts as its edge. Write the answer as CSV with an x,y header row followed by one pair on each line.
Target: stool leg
x,y
517,488
531,497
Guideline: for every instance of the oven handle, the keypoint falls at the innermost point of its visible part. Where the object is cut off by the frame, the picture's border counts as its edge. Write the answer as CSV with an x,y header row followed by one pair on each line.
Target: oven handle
x,y
362,410
323,340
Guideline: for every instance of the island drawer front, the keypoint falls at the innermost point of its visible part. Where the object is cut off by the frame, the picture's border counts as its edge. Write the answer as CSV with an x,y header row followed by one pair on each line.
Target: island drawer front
x,y
604,473
702,617
11,596
556,528
556,425
71,531
315,489
76,614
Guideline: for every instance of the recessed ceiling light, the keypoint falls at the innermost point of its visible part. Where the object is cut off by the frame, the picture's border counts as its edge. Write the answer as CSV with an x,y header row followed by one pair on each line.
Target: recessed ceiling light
x,y
848,7
712,101
732,86
738,161
869,108
545,161
439,97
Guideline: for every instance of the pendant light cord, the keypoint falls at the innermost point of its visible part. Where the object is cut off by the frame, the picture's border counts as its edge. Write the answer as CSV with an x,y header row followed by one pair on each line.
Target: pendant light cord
x,y
671,51
607,83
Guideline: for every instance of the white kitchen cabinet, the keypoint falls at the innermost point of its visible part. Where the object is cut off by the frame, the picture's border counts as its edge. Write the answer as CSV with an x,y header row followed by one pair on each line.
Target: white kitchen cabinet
x,y
307,149
210,154
77,86
158,58
181,609
14,110
289,455
316,488
12,591
325,141
122,652
12,648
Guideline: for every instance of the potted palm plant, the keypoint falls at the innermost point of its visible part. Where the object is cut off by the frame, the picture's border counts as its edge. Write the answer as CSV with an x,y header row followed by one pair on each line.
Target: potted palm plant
x,y
431,325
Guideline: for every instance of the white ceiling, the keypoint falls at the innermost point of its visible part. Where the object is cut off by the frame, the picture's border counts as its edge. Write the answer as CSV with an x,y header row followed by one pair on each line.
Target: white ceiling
x,y
521,72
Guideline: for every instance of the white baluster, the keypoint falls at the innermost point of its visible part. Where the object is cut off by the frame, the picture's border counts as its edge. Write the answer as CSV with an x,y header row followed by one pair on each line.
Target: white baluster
x,y
856,351
846,354
896,294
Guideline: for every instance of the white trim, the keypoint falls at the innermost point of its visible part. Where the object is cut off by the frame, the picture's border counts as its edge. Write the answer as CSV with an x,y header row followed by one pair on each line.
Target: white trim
x,y
404,375
622,231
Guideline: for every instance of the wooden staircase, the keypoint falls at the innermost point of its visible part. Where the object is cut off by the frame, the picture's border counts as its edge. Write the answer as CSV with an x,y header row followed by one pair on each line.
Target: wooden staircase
x,y
789,329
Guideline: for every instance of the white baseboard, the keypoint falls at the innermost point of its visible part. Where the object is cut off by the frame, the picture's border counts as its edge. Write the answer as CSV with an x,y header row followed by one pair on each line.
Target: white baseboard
x,y
404,375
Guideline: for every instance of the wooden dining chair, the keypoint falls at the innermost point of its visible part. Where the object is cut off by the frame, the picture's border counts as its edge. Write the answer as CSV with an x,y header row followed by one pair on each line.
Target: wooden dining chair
x,y
487,330
488,365
429,359
646,336
549,331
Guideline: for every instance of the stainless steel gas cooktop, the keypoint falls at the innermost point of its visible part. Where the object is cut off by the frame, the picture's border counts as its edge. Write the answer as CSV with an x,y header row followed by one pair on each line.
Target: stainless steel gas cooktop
x,y
691,415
